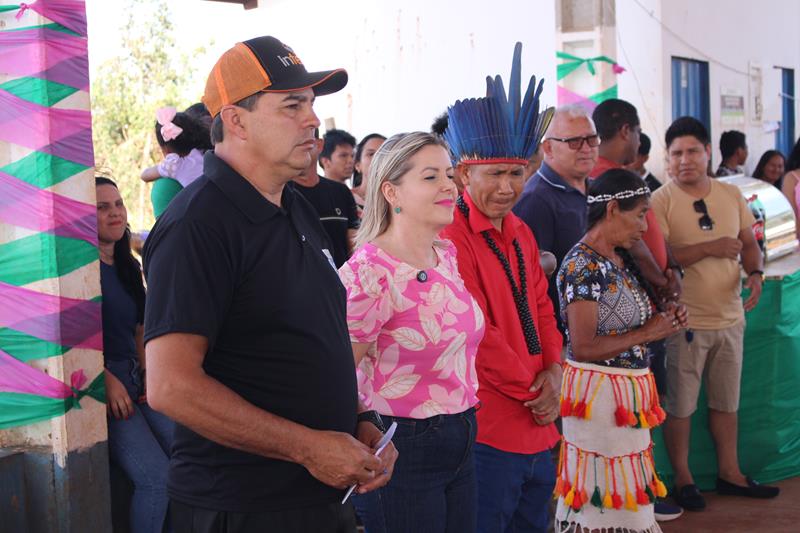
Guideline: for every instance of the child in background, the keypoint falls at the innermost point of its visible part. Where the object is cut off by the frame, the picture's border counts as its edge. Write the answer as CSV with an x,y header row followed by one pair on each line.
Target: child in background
x,y
182,140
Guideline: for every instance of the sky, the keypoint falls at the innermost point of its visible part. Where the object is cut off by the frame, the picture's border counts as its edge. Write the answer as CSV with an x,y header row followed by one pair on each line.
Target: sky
x,y
407,61
196,24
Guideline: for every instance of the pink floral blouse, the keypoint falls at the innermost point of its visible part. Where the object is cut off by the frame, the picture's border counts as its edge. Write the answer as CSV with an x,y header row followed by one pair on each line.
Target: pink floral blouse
x,y
425,334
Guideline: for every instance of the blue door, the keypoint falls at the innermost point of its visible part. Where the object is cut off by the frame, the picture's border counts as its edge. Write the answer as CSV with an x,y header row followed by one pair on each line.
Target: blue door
x,y
784,137
690,90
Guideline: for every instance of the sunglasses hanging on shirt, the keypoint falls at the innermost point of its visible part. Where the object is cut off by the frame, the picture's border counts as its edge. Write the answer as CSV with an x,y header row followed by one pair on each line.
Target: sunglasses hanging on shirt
x,y
705,222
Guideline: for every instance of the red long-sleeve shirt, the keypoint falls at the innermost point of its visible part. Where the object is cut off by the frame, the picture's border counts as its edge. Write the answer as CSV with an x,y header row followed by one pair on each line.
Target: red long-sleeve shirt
x,y
506,370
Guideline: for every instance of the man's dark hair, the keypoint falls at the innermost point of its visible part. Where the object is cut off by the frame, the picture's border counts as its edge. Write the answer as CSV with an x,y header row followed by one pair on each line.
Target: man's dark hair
x,y
644,144
683,126
440,124
334,138
610,115
248,103
730,141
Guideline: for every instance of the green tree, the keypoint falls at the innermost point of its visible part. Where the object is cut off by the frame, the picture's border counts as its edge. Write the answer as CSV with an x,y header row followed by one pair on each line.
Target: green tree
x,y
149,72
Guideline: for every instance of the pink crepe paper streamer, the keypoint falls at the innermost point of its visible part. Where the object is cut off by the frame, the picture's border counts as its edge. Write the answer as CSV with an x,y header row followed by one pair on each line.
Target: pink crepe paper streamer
x,y
69,13
34,126
23,7
35,52
617,68
16,376
65,321
27,206
566,97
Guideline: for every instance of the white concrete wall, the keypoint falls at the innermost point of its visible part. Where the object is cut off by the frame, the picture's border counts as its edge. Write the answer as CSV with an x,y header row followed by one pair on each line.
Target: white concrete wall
x,y
408,60
723,32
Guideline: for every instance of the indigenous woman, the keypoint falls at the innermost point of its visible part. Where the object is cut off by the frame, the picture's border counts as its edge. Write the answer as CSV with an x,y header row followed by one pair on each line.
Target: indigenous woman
x,y
415,330
607,479
139,438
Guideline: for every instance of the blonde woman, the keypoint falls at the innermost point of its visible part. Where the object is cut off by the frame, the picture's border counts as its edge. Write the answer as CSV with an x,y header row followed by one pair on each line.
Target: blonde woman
x,y
415,331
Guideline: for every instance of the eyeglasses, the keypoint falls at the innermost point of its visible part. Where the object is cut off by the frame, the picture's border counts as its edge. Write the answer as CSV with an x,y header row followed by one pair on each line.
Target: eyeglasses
x,y
576,143
705,221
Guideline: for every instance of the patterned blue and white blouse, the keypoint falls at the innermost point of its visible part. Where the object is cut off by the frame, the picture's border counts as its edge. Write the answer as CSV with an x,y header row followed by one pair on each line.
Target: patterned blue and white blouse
x,y
622,303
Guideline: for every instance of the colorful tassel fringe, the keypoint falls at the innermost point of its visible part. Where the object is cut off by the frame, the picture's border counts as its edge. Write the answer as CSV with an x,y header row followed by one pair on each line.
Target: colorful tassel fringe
x,y
613,486
636,397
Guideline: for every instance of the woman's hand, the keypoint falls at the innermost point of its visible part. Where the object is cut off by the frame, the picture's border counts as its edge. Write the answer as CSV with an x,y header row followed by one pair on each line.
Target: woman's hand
x,y
662,325
118,402
680,313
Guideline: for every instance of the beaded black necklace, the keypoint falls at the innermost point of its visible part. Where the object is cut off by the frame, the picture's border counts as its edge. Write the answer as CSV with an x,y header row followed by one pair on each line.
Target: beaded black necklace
x,y
520,292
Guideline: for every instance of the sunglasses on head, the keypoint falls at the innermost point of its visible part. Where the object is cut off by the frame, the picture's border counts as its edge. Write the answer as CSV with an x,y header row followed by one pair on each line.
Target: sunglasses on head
x,y
705,221
576,143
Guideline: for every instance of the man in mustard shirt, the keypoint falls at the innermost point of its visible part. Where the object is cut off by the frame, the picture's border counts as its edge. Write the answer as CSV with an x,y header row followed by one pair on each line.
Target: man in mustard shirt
x,y
709,227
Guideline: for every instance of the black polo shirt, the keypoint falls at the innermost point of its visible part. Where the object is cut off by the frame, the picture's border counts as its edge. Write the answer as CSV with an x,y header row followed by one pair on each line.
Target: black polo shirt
x,y
225,263
556,213
337,212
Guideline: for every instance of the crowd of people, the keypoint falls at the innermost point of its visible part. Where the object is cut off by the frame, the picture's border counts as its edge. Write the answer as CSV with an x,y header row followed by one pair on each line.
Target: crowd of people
x,y
513,293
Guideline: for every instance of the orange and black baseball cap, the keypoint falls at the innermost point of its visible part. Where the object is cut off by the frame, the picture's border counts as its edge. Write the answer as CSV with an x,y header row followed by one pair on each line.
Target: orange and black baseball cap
x,y
264,64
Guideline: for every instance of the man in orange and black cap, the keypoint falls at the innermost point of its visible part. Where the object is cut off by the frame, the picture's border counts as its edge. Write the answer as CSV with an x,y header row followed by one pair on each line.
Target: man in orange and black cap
x,y
247,341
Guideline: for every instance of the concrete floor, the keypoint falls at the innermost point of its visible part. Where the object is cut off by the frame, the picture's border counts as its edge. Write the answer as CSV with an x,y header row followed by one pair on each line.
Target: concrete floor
x,y
734,515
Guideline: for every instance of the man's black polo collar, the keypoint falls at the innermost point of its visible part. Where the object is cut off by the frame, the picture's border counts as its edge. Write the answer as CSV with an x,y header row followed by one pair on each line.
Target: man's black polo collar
x,y
241,192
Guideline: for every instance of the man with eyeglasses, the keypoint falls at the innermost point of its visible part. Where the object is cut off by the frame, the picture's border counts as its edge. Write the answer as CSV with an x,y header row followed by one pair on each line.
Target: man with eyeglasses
x,y
709,227
553,202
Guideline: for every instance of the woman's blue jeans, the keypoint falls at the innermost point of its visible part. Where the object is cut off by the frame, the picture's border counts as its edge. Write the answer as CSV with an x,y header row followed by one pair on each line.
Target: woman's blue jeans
x,y
140,446
432,489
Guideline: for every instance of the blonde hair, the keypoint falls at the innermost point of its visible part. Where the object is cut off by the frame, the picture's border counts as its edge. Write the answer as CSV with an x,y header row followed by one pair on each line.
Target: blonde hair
x,y
389,164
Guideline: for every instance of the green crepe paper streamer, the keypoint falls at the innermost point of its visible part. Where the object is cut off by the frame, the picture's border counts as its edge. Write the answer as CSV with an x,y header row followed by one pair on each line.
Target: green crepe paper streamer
x,y
43,256
574,62
24,409
42,170
43,92
55,26
602,96
3,9
96,390
24,347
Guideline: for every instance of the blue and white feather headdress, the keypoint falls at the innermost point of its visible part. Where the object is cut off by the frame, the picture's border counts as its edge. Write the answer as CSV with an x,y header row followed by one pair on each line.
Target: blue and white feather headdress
x,y
494,129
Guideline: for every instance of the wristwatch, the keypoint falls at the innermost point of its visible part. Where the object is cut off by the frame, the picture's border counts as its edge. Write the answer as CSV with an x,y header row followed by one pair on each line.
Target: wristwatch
x,y
373,418
759,272
676,266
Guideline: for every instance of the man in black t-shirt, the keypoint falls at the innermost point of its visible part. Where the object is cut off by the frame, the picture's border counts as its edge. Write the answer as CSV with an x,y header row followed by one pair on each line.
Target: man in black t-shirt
x,y
335,205
638,165
337,157
245,325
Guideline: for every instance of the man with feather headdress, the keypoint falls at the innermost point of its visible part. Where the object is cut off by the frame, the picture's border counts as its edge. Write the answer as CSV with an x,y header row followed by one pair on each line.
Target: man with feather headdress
x,y
518,361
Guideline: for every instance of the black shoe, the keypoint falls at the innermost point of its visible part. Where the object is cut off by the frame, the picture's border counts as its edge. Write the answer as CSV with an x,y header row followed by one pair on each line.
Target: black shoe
x,y
752,490
689,498
666,511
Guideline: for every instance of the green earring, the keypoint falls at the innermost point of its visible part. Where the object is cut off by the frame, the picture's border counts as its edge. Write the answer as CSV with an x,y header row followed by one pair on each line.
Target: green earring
x,y
397,209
